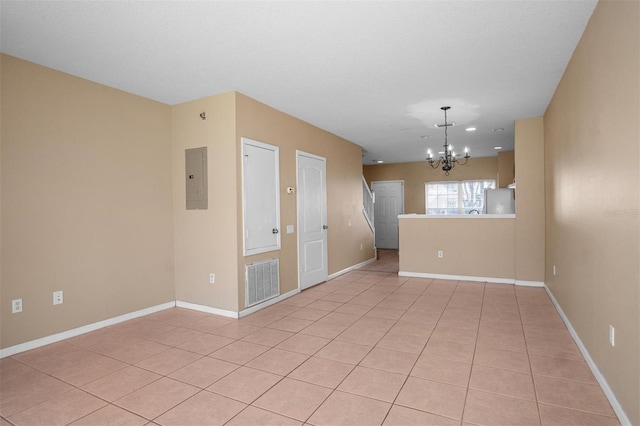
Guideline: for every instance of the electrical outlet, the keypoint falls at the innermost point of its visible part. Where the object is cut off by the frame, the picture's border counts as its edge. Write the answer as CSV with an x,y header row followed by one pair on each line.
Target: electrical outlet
x,y
212,278
57,297
440,254
554,269
16,306
612,335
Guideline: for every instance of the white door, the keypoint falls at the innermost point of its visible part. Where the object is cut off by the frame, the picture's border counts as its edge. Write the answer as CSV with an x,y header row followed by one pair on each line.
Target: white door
x,y
312,219
389,196
260,196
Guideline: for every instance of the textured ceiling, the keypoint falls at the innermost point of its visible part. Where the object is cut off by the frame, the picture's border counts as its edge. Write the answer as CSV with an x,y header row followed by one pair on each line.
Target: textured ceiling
x,y
373,72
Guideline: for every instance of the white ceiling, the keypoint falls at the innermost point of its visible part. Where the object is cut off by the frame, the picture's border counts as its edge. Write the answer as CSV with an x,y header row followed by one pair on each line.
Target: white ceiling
x,y
373,72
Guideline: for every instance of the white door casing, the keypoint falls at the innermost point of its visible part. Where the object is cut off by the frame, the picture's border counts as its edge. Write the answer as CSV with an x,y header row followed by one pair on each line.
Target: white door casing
x,y
312,219
389,203
260,197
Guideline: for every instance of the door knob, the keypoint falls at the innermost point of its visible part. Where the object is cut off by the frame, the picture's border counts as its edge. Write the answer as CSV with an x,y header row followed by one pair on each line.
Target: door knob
x,y
274,231
325,227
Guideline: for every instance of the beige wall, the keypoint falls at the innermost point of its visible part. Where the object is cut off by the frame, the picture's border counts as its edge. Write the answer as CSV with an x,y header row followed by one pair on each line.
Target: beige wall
x,y
506,168
348,229
529,161
416,174
206,240
86,202
592,176
473,247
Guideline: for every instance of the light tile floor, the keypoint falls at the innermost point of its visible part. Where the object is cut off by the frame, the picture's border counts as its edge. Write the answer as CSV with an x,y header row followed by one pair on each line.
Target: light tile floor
x,y
366,348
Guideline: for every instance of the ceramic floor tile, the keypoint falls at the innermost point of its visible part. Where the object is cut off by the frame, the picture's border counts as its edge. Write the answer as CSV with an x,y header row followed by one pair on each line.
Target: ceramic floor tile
x,y
575,395
157,397
209,324
566,349
121,383
403,416
303,343
389,360
339,318
307,397
559,416
202,408
482,408
90,370
325,305
371,383
175,337
245,384
328,331
393,314
350,353
352,308
112,416
347,409
450,350
433,397
402,343
375,323
235,330
138,352
562,368
453,334
61,410
360,336
168,361
206,344
504,382
239,352
442,370
203,372
321,371
267,337
28,390
277,361
291,324
252,416
307,314
500,358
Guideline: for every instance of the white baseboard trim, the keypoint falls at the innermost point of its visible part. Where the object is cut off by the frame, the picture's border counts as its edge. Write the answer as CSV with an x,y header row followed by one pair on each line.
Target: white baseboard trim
x,y
207,309
457,277
269,302
530,283
615,404
33,344
350,268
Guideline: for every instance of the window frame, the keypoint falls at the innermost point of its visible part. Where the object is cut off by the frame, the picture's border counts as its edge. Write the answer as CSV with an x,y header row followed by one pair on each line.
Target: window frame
x,y
460,208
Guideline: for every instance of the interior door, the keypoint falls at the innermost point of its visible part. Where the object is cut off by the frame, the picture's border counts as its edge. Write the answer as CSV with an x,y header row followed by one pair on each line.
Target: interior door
x,y
312,219
261,199
389,196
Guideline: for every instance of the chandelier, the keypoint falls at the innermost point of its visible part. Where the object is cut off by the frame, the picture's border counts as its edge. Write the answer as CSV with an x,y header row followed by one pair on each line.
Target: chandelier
x,y
448,159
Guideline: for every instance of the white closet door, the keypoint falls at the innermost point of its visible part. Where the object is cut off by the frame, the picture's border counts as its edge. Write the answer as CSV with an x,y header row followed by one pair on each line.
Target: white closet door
x,y
260,196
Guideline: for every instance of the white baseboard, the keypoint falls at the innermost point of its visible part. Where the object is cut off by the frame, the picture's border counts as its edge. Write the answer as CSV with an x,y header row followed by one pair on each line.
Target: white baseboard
x,y
350,268
269,302
207,309
457,277
530,283
615,404
33,344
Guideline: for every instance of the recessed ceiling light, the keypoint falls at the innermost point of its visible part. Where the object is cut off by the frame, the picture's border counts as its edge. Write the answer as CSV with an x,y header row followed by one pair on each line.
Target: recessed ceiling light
x,y
378,161
497,147
470,129
441,152
498,129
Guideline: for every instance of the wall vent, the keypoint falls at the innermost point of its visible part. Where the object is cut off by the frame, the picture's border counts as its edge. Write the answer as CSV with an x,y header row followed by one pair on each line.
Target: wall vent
x,y
262,281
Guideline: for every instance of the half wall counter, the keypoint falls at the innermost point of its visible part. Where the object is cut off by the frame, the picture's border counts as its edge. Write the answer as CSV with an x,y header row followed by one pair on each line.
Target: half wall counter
x,y
472,247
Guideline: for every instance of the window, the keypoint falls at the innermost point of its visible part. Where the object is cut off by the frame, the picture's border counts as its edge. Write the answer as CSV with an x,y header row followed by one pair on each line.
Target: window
x,y
457,197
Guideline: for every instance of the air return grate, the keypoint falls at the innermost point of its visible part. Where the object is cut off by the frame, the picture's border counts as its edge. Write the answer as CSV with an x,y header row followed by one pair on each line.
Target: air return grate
x,y
262,281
